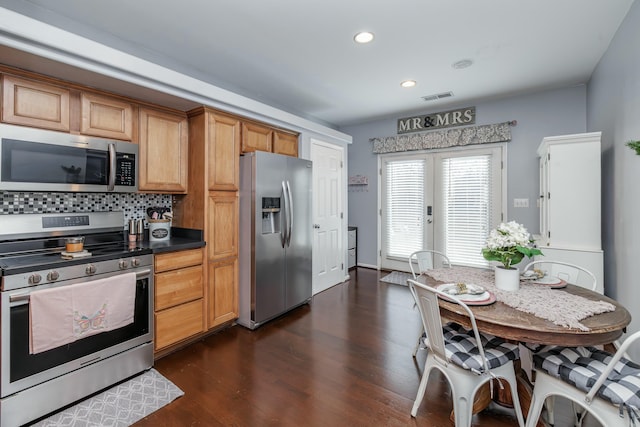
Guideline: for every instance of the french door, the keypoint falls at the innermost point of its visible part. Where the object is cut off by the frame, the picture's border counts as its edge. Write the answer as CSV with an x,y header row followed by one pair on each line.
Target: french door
x,y
407,201
447,201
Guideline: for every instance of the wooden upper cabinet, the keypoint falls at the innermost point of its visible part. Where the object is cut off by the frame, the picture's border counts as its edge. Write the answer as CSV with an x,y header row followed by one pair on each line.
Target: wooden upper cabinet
x,y
163,151
224,152
106,117
285,143
29,103
256,137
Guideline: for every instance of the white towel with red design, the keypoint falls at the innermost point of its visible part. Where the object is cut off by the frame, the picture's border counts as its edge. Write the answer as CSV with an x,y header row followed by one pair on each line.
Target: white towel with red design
x,y
62,315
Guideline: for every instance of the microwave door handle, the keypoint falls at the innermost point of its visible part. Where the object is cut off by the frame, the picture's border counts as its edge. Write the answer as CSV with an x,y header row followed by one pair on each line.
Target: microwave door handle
x,y
111,183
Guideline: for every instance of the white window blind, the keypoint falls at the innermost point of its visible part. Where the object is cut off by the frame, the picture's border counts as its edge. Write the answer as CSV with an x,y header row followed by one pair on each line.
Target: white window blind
x,y
467,207
404,207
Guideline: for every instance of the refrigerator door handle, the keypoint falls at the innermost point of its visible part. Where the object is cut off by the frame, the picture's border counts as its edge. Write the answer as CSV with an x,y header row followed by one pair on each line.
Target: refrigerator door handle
x,y
290,205
284,232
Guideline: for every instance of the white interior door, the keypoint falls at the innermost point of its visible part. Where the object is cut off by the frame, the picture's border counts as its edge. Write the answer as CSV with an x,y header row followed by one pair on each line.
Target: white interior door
x,y
328,213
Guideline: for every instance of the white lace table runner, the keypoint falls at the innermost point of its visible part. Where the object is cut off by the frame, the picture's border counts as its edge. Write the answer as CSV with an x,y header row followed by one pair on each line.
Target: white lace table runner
x,y
556,305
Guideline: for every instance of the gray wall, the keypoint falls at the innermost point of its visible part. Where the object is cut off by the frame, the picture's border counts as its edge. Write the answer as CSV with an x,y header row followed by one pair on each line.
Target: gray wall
x,y
613,107
556,112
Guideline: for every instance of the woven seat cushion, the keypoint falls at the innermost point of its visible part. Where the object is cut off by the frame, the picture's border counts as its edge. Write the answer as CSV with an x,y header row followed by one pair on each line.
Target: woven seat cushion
x,y
581,367
461,348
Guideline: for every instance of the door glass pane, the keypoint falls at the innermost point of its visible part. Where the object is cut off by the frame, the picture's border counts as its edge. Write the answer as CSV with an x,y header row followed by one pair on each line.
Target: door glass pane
x,y
404,207
467,198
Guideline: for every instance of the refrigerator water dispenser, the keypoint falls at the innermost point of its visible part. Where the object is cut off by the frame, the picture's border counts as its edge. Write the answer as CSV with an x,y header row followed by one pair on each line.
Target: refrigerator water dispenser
x,y
270,215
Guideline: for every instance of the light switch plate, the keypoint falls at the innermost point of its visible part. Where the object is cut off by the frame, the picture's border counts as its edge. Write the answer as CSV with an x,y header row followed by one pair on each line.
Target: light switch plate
x,y
520,203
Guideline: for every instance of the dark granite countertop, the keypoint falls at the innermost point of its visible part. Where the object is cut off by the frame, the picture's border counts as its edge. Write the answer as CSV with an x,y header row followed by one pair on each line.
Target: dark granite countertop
x,y
181,239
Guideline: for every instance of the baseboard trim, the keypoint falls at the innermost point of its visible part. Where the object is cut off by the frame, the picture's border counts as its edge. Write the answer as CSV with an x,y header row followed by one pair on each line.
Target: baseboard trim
x,y
373,267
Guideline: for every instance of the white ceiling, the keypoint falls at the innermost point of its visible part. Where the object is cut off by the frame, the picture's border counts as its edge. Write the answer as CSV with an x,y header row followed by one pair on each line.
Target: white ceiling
x,y
299,55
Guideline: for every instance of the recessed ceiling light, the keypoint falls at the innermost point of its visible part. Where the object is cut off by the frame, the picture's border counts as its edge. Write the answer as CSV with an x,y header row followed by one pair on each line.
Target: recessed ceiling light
x,y
408,83
363,37
463,63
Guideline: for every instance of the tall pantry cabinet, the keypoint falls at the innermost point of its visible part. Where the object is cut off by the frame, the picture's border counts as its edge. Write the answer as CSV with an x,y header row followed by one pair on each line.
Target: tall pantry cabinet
x,y
570,201
212,206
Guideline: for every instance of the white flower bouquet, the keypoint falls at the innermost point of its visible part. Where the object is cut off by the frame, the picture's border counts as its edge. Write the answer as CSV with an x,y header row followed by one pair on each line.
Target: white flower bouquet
x,y
509,244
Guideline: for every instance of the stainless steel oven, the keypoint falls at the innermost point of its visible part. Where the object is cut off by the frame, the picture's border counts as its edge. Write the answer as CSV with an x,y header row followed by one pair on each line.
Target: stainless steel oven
x,y
33,385
43,160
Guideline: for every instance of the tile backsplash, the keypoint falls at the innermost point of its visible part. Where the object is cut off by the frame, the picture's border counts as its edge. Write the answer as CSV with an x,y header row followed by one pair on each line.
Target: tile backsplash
x,y
133,205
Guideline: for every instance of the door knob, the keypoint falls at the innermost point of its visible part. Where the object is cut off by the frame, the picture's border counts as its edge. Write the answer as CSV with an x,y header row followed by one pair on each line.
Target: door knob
x,y
316,225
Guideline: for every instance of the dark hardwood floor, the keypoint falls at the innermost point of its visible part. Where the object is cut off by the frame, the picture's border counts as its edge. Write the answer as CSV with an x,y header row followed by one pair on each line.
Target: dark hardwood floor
x,y
344,360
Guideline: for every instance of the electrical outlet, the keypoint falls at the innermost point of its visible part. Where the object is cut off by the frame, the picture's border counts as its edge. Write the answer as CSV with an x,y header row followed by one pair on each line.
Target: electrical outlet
x,y
520,203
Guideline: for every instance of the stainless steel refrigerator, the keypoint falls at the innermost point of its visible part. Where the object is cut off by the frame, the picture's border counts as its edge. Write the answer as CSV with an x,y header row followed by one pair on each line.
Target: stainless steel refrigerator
x,y
275,236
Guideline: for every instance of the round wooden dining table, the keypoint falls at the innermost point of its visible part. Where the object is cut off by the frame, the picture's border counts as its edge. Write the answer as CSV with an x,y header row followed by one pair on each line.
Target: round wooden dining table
x,y
503,321
506,322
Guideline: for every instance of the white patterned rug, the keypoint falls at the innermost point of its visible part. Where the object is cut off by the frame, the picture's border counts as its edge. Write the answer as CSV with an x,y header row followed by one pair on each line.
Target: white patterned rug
x,y
397,278
119,406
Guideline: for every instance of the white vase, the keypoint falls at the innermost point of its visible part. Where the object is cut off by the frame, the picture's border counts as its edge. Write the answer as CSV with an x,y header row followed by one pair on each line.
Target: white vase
x,y
507,279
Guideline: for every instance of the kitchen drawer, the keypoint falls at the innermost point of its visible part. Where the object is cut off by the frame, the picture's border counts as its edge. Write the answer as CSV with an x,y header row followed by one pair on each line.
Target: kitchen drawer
x,y
352,258
178,323
174,260
178,286
352,238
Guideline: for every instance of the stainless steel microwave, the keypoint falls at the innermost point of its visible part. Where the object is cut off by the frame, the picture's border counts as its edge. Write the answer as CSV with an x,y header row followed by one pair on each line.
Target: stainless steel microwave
x,y
42,160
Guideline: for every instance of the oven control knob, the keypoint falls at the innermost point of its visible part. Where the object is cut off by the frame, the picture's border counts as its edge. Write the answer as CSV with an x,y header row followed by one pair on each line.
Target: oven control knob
x,y
135,262
123,264
34,279
53,276
91,269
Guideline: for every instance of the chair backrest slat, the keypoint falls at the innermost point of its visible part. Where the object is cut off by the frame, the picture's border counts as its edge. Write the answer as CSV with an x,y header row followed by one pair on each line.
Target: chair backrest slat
x,y
432,322
429,308
426,260
568,272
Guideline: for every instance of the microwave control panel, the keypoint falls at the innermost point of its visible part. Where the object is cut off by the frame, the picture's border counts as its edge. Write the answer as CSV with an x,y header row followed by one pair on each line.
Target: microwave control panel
x,y
126,169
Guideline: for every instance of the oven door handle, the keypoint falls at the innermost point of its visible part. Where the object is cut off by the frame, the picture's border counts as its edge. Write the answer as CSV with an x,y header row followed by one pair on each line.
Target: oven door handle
x,y
19,298
143,273
25,297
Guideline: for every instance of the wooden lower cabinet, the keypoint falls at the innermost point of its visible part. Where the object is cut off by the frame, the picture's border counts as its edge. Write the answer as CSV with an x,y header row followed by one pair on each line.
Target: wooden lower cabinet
x,y
179,303
178,286
178,323
222,292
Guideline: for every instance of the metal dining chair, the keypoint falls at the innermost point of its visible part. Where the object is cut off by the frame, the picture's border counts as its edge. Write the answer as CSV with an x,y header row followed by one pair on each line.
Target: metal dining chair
x,y
570,273
605,385
467,358
420,262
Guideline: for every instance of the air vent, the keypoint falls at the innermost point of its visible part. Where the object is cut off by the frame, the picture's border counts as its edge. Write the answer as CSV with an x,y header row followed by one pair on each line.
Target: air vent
x,y
437,96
